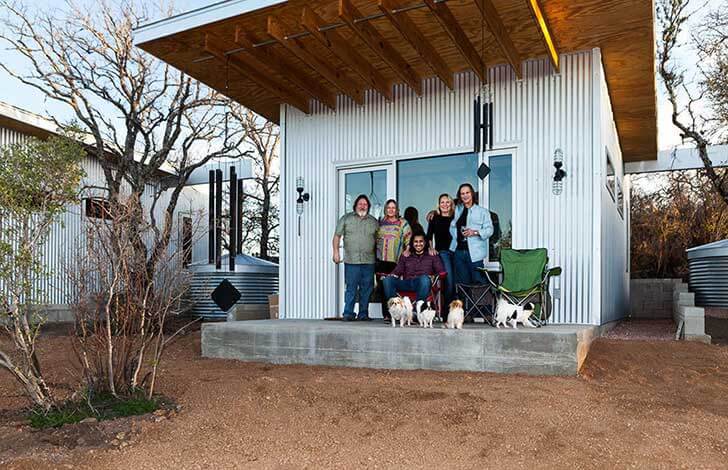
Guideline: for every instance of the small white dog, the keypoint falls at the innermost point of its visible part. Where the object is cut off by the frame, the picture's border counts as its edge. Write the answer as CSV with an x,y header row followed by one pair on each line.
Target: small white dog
x,y
426,316
456,316
508,314
400,309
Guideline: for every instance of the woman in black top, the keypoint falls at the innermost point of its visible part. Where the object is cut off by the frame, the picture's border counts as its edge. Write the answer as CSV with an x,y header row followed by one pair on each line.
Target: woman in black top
x,y
439,230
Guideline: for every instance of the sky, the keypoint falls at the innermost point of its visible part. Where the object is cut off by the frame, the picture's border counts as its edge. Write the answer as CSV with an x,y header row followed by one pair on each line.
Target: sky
x,y
22,96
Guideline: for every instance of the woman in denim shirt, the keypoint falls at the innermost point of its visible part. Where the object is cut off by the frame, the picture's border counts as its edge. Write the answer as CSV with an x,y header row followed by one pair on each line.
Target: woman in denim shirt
x,y
470,230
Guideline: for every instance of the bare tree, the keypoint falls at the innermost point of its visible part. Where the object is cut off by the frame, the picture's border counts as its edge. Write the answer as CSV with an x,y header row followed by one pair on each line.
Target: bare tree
x,y
140,113
260,214
146,123
705,125
671,213
119,347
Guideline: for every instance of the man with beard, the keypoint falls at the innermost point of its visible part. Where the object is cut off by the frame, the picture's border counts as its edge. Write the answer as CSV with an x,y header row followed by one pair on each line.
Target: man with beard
x,y
359,230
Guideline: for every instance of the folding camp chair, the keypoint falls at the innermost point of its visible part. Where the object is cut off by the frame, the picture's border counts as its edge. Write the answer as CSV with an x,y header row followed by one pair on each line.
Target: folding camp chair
x,y
477,300
526,279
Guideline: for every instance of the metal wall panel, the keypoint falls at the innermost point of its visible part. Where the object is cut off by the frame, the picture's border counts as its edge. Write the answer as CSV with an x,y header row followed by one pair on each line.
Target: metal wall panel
x,y
614,256
68,235
534,116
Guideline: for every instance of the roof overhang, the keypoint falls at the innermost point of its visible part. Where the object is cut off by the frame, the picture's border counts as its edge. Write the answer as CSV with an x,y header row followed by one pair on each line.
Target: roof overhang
x,y
198,17
263,53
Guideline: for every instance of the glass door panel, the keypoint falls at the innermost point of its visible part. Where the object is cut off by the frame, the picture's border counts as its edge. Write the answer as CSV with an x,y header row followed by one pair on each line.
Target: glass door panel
x,y
376,183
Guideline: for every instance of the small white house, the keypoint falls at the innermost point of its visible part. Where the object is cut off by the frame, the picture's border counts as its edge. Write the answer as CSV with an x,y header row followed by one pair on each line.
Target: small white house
x,y
69,234
378,98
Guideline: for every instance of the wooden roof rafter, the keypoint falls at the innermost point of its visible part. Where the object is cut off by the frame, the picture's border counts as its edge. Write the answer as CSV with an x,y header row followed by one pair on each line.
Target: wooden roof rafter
x,y
343,50
380,46
500,33
281,65
295,46
254,69
545,32
409,30
447,20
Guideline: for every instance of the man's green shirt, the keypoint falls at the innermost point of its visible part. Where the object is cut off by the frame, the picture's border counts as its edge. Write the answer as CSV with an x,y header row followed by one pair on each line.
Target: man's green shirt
x,y
360,238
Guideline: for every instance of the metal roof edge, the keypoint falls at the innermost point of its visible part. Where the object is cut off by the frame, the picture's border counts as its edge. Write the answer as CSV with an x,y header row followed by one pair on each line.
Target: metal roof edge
x,y
198,17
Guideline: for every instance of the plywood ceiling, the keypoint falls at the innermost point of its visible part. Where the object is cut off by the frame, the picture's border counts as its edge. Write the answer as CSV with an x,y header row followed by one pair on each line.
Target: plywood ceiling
x,y
622,29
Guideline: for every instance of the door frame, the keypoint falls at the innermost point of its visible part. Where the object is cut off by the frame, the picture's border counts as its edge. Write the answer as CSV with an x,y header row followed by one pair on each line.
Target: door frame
x,y
484,189
341,171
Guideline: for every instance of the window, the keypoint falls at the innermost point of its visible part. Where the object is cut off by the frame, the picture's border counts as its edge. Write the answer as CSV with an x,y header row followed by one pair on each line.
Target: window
x,y
421,181
610,176
620,199
98,208
186,241
372,184
500,203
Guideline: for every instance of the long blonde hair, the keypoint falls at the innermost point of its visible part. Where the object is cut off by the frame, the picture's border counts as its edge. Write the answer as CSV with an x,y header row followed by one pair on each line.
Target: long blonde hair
x,y
452,204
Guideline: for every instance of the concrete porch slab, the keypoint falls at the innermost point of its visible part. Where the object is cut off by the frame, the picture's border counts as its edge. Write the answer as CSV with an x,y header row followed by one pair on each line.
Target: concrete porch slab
x,y
551,350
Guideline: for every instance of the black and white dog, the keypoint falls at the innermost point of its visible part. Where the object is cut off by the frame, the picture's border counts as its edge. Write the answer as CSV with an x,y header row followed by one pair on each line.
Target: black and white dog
x,y
507,314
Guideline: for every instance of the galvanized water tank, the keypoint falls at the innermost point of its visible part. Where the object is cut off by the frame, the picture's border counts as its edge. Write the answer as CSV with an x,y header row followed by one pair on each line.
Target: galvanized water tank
x,y
254,278
708,279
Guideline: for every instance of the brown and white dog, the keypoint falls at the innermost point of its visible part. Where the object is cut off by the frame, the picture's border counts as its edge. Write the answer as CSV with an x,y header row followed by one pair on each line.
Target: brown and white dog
x,y
400,309
456,316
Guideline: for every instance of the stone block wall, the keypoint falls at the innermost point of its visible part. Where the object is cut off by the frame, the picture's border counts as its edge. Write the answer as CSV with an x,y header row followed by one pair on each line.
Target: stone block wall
x,y
651,299
689,318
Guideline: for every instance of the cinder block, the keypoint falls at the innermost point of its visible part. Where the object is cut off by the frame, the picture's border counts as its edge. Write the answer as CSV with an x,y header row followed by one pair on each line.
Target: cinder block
x,y
248,312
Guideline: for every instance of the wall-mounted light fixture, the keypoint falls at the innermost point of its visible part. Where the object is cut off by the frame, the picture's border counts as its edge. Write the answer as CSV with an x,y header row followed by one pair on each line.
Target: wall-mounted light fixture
x,y
560,174
302,197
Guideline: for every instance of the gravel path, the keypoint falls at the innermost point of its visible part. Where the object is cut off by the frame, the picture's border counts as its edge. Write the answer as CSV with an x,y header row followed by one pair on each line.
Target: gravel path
x,y
636,403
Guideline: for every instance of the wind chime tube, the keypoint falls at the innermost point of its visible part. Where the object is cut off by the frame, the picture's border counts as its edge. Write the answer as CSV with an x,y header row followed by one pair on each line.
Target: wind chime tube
x,y
490,125
233,232
241,200
218,219
476,124
211,220
486,124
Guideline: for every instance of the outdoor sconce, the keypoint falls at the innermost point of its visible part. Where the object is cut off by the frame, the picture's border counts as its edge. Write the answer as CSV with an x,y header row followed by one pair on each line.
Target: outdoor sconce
x,y
302,197
560,174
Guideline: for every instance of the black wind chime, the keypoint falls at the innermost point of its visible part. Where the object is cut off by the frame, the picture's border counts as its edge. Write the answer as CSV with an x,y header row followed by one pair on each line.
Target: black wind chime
x,y
483,112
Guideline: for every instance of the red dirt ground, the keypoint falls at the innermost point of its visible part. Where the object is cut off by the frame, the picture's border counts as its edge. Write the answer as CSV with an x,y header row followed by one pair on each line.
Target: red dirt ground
x,y
654,404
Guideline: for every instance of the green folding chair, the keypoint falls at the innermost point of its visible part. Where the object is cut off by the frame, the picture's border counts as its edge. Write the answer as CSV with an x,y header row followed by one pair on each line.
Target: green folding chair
x,y
526,279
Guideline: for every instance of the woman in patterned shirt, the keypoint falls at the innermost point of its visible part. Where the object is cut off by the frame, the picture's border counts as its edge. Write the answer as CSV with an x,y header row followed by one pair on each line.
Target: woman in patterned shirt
x,y
393,237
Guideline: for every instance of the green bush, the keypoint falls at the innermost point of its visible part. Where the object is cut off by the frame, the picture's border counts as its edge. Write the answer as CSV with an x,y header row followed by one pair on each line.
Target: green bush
x,y
102,407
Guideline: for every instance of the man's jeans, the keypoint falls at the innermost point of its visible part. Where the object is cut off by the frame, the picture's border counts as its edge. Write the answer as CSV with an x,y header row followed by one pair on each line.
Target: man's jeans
x,y
358,278
420,284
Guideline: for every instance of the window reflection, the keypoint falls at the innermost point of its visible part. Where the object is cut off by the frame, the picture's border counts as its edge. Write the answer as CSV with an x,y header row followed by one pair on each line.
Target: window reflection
x,y
500,196
421,181
372,184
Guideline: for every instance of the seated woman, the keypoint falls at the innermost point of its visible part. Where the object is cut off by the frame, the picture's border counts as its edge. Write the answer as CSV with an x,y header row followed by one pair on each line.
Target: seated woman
x,y
413,272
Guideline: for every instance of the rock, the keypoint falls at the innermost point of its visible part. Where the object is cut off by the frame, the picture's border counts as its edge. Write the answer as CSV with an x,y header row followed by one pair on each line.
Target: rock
x,y
120,435
89,420
159,413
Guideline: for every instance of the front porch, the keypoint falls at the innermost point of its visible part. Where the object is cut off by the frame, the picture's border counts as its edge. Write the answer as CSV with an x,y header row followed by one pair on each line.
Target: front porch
x,y
551,350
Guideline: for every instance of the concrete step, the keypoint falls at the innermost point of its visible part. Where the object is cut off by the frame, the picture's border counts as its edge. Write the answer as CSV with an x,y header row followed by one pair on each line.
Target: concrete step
x,y
551,350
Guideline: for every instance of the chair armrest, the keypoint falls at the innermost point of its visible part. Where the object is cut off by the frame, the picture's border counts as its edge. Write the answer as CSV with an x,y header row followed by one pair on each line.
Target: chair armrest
x,y
487,276
555,271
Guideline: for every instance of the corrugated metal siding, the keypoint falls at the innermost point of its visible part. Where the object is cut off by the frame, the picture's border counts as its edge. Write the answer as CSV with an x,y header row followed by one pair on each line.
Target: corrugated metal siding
x,y
68,235
533,116
614,228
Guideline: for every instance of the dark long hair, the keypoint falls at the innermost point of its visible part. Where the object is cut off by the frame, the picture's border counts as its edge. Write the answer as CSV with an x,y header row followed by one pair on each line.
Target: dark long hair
x,y
358,198
418,233
472,190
